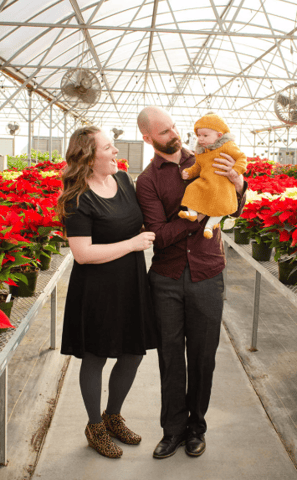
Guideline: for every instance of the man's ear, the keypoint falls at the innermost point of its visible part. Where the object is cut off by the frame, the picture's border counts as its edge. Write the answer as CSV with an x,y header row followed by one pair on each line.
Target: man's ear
x,y
147,139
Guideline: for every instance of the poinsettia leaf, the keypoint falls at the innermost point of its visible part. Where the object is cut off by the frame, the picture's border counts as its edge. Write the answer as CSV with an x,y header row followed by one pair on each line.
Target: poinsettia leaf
x,y
4,321
44,254
19,276
44,231
51,248
10,282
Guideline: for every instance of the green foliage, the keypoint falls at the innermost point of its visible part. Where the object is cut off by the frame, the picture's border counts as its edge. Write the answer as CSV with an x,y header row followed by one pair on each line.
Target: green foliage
x,y
290,170
15,162
19,163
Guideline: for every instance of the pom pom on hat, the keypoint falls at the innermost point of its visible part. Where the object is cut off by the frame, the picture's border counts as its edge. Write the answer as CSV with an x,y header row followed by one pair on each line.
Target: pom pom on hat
x,y
212,121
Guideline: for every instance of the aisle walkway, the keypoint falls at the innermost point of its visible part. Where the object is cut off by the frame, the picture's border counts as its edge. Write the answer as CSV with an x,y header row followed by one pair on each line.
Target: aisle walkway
x,y
241,442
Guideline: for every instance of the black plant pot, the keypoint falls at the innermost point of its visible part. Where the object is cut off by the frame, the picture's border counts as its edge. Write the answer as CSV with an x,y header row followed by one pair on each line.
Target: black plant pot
x,y
261,251
242,238
284,272
45,262
6,307
24,290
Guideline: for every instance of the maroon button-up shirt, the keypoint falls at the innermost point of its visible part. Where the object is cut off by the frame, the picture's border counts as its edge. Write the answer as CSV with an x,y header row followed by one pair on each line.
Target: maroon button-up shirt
x,y
159,190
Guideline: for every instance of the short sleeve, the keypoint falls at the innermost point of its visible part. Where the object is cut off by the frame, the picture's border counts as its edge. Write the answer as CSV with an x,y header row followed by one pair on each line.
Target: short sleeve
x,y
78,221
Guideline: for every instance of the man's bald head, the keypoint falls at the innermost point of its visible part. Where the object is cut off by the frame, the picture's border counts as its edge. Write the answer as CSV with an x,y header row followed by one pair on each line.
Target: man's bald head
x,y
159,130
148,116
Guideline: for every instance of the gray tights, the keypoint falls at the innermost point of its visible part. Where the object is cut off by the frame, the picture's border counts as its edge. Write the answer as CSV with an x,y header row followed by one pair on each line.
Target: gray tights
x,y
120,382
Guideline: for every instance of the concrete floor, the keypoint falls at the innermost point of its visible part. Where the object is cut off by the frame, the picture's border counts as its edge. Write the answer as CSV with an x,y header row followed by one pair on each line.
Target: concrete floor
x,y
242,442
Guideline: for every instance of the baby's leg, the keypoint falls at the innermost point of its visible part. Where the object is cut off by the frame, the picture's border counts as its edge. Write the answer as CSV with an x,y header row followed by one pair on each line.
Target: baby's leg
x,y
188,214
212,222
192,212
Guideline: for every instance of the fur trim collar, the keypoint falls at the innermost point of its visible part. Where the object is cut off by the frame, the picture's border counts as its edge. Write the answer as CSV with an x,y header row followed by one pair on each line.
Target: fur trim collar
x,y
227,137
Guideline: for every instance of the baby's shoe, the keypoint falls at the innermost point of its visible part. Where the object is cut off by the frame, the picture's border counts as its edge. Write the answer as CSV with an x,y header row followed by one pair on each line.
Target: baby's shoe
x,y
207,233
186,214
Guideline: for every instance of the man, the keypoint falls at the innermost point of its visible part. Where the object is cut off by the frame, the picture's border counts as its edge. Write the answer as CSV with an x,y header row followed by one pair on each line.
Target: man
x,y
186,283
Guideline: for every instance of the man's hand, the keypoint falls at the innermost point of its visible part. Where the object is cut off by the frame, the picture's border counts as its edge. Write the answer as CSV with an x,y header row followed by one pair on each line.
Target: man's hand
x,y
226,169
185,175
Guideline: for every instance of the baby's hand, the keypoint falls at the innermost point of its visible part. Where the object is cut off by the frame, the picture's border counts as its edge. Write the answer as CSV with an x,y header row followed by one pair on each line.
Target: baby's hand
x,y
185,175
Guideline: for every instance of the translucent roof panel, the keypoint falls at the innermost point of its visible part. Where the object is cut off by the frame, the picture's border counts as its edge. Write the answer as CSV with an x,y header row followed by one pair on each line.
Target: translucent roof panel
x,y
230,56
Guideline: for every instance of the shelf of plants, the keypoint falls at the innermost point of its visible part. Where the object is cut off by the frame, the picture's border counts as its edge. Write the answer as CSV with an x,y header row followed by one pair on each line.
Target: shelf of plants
x,y
30,239
269,220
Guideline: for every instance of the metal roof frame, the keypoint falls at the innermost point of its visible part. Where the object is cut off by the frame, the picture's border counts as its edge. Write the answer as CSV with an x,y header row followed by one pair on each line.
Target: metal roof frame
x,y
231,56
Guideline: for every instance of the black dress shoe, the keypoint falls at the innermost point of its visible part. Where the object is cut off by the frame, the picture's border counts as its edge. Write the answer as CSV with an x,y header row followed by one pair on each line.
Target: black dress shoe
x,y
169,445
195,444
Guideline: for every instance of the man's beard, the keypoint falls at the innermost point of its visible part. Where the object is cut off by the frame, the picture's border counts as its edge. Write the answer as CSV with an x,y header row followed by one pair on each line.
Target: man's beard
x,y
170,147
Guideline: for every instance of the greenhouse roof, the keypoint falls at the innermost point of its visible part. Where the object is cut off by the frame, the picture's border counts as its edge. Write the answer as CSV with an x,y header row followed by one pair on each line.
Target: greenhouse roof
x,y
229,56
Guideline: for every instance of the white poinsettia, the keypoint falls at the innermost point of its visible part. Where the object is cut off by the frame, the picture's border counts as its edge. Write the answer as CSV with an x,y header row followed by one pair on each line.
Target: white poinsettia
x,y
252,196
228,223
289,193
10,175
49,173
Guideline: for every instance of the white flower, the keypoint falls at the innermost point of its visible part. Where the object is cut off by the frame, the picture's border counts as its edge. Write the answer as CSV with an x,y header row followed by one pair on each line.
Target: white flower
x,y
289,193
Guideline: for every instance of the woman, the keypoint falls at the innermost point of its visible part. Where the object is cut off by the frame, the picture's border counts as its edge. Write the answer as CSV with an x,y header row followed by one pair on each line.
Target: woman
x,y
108,313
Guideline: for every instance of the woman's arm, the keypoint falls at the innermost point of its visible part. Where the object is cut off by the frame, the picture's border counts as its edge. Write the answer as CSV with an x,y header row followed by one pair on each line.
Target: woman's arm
x,y
85,252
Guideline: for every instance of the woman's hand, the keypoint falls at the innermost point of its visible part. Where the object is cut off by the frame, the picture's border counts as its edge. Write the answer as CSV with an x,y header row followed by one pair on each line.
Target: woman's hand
x,y
143,241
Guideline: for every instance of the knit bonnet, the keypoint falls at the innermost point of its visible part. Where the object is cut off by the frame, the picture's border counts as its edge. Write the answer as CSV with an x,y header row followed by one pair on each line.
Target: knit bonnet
x,y
212,121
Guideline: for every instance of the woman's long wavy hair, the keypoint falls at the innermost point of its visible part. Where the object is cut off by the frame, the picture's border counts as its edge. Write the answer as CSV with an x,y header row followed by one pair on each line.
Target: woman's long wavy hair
x,y
80,158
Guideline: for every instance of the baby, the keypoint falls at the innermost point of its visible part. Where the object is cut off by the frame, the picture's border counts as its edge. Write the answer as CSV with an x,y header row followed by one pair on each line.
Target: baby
x,y
211,194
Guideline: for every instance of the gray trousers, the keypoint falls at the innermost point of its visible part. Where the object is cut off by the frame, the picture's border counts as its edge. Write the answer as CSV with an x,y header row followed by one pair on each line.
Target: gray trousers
x,y
189,319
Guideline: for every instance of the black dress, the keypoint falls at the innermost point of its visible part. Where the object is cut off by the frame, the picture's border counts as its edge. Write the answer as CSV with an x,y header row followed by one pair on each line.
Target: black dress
x,y
108,309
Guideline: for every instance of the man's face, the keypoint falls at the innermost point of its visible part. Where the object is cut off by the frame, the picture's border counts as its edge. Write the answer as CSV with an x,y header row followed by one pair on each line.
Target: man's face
x,y
164,135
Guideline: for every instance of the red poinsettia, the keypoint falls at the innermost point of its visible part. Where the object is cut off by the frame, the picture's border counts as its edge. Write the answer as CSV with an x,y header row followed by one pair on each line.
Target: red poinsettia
x,y
274,185
257,167
123,164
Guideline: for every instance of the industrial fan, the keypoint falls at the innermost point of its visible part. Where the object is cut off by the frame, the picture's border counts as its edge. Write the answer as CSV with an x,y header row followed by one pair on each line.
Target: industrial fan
x,y
117,133
187,141
80,88
285,105
13,128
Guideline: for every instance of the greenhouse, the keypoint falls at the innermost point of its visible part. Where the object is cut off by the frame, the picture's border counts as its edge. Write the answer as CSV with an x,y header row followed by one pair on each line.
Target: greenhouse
x,y
135,86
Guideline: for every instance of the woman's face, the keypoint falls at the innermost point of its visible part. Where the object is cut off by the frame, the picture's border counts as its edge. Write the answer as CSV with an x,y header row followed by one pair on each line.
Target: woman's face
x,y
105,157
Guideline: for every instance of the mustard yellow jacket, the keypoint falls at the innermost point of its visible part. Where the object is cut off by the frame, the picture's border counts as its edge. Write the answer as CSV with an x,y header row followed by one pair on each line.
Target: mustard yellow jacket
x,y
212,194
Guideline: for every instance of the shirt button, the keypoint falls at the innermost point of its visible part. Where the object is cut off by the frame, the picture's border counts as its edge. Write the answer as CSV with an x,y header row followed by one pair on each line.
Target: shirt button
x,y
189,251
190,234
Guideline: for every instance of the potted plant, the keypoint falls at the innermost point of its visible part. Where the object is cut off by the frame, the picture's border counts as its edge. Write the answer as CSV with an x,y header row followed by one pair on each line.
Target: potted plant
x,y
241,231
282,222
12,256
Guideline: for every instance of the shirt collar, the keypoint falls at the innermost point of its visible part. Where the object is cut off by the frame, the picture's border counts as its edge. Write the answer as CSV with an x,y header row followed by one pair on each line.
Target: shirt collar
x,y
158,160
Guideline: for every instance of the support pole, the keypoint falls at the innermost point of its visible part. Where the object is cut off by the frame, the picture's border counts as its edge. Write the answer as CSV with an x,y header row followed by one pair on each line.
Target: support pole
x,y
65,136
3,417
256,311
29,126
54,302
50,135
225,270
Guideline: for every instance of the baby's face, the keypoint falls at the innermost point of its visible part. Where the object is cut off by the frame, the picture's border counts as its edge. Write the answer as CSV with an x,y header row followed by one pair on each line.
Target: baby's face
x,y
206,136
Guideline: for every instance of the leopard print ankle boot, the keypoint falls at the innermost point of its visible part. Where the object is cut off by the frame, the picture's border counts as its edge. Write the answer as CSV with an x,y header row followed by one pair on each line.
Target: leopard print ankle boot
x,y
99,439
116,428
